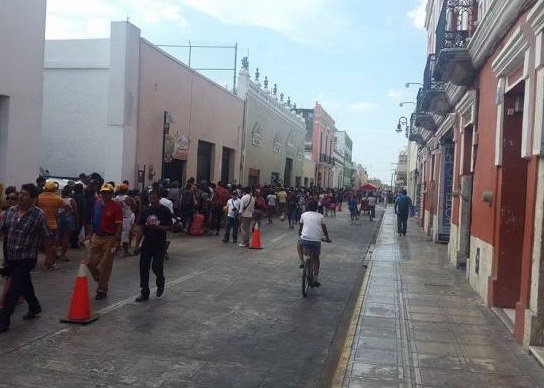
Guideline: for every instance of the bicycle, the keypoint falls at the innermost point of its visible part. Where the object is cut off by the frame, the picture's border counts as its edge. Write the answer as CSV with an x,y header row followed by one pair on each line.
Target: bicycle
x,y
309,269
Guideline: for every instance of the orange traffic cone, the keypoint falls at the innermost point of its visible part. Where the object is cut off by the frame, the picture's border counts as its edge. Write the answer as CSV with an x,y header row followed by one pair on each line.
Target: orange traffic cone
x,y
80,307
256,238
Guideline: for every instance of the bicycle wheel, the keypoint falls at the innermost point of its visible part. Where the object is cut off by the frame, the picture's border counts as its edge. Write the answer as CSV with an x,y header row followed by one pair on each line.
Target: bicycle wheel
x,y
307,276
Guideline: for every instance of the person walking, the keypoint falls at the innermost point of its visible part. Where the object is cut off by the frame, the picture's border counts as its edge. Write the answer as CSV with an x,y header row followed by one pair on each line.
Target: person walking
x,y
402,210
107,224
153,224
51,203
233,214
247,205
24,229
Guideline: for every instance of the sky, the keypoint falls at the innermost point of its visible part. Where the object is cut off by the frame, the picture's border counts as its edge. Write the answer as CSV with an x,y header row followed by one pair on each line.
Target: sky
x,y
354,57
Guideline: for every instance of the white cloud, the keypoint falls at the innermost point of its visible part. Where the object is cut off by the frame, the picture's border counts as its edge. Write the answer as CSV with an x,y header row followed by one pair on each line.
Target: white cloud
x,y
91,18
306,21
418,14
395,94
362,106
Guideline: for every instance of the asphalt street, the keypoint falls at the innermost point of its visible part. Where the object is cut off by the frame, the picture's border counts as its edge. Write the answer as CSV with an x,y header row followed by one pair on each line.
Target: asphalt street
x,y
230,317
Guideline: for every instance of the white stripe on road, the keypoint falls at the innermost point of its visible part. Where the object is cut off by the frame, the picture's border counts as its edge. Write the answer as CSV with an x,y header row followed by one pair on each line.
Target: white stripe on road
x,y
279,238
124,302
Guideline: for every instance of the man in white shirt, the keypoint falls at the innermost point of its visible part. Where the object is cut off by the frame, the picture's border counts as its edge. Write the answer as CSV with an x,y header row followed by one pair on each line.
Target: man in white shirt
x,y
233,214
312,229
271,202
247,206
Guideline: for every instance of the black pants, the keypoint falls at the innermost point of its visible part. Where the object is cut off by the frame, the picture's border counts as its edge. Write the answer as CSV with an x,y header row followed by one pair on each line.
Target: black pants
x,y
232,223
21,284
216,218
154,258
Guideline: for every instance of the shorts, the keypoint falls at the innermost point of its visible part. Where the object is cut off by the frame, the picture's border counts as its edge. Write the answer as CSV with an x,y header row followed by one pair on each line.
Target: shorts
x,y
127,228
66,223
310,246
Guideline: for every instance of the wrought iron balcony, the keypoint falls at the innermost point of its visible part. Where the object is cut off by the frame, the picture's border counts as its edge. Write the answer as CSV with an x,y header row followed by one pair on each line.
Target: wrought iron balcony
x,y
434,99
325,159
454,30
416,133
421,118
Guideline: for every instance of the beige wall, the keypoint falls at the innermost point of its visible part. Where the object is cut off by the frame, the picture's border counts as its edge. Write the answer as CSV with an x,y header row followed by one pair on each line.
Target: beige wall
x,y
201,110
22,34
266,158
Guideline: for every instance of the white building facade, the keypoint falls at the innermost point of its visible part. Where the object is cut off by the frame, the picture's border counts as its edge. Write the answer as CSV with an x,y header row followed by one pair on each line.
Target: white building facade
x,y
22,34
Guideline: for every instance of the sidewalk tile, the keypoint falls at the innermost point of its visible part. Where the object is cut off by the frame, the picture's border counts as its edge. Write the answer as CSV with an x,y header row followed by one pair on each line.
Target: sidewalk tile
x,y
422,325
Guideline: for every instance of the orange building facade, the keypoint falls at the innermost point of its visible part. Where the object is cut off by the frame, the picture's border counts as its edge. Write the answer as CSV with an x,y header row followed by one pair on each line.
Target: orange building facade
x,y
478,129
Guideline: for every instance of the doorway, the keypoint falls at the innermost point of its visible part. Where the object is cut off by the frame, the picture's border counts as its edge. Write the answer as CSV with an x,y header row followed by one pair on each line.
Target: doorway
x,y
227,161
287,173
175,170
204,161
505,281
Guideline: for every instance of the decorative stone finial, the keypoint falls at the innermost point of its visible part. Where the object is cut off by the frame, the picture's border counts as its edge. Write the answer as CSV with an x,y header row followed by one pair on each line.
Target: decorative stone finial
x,y
257,75
265,82
294,106
289,101
281,97
275,90
245,63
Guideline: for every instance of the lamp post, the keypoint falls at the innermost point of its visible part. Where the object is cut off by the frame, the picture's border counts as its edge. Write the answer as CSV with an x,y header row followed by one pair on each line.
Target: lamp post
x,y
166,121
401,104
407,84
403,122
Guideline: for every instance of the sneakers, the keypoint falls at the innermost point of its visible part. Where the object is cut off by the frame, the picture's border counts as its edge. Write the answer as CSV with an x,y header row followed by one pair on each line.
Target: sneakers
x,y
101,296
160,291
142,298
243,245
301,264
316,283
31,315
225,240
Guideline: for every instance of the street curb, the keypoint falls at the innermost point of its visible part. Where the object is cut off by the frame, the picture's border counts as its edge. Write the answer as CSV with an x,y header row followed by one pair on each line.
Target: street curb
x,y
343,362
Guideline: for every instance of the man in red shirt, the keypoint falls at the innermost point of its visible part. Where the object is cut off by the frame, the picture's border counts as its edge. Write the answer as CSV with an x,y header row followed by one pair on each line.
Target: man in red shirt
x,y
107,223
219,201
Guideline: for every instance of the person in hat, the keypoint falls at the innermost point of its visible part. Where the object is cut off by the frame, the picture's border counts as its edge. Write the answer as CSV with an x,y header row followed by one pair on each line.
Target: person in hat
x,y
50,202
24,229
106,227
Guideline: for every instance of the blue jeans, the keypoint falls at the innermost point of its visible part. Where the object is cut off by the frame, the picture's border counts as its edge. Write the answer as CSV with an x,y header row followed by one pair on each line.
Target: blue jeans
x,y
402,222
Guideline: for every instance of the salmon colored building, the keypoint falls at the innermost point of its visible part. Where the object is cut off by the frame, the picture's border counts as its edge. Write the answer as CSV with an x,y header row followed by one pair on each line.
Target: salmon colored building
x,y
478,136
320,142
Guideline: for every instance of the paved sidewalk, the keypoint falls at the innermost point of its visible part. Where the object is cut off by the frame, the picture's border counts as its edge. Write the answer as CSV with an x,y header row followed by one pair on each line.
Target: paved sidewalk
x,y
421,325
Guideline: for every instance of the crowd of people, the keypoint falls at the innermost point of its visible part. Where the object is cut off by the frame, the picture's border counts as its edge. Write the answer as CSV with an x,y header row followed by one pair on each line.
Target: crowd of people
x,y
109,219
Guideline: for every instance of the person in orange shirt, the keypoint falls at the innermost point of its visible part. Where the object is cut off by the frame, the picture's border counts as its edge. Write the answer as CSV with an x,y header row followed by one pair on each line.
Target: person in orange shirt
x,y
50,202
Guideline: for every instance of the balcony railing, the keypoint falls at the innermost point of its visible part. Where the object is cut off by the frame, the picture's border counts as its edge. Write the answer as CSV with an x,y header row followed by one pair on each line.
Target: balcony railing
x,y
422,118
454,30
325,159
434,98
416,133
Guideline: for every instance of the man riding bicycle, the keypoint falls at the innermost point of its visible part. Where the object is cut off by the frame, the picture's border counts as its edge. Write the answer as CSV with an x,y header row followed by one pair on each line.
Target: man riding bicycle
x,y
312,228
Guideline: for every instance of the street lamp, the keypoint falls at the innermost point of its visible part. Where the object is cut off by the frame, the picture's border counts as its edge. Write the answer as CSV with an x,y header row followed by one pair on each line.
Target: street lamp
x,y
407,84
406,102
166,121
403,122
